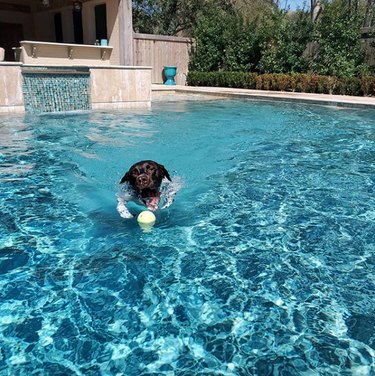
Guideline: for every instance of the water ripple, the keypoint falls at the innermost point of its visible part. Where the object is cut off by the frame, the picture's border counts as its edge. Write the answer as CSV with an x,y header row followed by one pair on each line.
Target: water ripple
x,y
264,265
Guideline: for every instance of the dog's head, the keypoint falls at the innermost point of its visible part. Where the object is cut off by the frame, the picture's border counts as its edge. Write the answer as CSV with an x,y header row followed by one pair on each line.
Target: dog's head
x,y
145,176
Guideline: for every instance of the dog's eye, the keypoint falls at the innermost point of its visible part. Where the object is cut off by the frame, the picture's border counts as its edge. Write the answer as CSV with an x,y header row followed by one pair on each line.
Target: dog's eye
x,y
150,167
135,172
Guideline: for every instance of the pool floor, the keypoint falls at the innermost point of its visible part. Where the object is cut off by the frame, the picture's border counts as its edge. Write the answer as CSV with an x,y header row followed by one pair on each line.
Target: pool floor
x,y
263,265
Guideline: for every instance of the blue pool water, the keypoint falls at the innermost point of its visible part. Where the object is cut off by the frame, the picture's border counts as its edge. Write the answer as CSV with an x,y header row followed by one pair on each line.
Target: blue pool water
x,y
264,265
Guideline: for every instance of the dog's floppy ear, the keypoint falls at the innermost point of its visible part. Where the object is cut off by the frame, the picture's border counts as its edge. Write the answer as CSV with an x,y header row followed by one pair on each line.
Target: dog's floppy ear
x,y
125,178
165,173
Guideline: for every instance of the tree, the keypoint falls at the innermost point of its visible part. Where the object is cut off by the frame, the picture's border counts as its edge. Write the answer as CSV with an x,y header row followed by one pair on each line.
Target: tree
x,y
283,40
224,41
242,51
252,10
369,13
315,9
166,17
179,17
170,17
208,51
338,39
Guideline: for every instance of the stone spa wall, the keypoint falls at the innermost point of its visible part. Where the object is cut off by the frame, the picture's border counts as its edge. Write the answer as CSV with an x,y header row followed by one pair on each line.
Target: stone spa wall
x,y
39,89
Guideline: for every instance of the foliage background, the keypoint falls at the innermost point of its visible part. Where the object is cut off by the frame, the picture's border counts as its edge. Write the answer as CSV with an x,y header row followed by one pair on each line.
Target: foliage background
x,y
257,36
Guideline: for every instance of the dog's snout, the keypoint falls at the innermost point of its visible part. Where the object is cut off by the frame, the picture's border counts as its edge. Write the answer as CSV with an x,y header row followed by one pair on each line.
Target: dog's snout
x,y
143,180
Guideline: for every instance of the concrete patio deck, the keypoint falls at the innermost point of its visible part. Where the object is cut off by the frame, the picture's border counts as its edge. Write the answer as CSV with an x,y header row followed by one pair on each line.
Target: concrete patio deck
x,y
164,92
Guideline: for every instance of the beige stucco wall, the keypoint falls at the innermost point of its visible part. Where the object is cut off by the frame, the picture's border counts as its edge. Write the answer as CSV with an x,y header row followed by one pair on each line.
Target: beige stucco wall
x,y
88,15
46,28
20,18
11,97
113,30
120,87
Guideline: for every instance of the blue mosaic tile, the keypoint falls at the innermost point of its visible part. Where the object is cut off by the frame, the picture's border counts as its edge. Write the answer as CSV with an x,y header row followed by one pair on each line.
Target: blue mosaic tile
x,y
56,92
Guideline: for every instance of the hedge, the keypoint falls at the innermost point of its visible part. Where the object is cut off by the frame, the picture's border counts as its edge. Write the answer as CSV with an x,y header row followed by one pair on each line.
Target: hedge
x,y
306,83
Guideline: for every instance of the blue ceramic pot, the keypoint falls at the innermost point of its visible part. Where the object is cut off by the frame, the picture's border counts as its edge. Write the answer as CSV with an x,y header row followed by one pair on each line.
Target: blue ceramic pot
x,y
170,72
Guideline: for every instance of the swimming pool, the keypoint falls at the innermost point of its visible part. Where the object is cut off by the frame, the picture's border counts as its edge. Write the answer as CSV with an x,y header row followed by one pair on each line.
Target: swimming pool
x,y
264,265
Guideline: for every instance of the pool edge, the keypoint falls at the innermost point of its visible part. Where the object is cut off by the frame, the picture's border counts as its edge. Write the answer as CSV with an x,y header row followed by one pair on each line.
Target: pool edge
x,y
320,99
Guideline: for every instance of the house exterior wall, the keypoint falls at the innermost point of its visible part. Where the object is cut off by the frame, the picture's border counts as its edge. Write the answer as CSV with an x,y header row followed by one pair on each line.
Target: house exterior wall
x,y
39,25
113,25
25,19
113,30
46,28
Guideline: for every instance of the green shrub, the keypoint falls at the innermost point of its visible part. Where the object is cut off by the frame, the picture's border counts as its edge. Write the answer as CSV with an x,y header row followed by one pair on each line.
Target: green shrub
x,y
297,82
367,85
325,84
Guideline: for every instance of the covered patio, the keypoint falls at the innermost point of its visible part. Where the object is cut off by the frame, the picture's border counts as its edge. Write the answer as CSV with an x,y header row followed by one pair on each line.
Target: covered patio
x,y
53,48
76,25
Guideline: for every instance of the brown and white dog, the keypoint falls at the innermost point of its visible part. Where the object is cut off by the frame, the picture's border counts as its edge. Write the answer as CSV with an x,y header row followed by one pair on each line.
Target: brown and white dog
x,y
144,179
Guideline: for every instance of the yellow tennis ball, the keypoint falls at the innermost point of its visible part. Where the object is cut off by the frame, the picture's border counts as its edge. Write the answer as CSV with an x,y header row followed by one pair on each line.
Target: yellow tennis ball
x,y
146,218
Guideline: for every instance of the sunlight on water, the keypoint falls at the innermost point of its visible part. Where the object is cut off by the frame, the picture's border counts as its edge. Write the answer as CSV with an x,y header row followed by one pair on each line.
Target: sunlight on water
x,y
263,265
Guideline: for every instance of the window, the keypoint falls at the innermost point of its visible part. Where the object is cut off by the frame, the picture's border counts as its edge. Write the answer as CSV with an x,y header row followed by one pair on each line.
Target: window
x,y
77,24
58,28
101,21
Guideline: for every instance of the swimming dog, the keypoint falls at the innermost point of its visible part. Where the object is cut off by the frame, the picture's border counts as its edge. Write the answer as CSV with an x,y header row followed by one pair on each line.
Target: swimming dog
x,y
144,180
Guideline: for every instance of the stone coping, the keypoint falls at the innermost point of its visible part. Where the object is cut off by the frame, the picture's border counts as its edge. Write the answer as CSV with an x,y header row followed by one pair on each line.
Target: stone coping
x,y
323,99
10,64
54,44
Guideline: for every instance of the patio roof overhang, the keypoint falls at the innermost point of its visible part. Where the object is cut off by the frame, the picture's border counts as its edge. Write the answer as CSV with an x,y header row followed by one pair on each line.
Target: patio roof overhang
x,y
29,6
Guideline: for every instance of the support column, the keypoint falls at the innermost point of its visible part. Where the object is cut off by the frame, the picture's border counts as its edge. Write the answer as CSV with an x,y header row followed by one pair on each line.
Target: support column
x,y
126,32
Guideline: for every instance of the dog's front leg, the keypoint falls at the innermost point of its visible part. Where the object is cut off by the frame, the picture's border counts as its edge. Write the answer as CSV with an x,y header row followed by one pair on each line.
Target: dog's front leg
x,y
121,207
